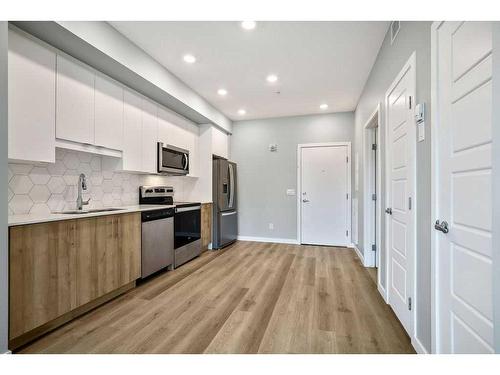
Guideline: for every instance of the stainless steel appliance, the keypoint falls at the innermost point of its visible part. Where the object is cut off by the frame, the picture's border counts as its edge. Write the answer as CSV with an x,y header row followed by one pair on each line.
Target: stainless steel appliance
x,y
225,207
157,240
186,239
172,160
187,229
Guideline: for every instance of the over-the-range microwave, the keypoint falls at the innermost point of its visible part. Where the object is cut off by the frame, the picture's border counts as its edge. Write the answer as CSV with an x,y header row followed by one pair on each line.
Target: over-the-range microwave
x,y
172,160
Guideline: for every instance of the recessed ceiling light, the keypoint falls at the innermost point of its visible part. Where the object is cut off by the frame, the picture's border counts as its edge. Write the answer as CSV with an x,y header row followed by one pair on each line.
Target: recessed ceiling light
x,y
248,25
242,112
189,59
271,78
222,92
323,106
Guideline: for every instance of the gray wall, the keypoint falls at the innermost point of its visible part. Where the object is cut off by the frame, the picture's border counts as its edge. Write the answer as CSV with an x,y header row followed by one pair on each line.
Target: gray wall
x,y
3,191
413,36
264,176
496,183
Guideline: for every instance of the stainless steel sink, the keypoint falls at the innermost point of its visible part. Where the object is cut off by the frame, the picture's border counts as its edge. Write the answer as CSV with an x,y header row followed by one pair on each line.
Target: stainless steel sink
x,y
95,210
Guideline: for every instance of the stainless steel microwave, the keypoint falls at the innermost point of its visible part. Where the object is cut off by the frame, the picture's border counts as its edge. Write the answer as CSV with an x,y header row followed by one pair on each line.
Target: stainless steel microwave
x,y
172,160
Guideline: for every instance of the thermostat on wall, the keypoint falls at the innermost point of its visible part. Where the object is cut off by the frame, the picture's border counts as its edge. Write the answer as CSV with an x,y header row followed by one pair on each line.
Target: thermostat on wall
x,y
273,147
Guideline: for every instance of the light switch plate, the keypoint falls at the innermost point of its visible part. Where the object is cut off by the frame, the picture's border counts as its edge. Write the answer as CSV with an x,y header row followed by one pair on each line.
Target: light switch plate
x,y
290,192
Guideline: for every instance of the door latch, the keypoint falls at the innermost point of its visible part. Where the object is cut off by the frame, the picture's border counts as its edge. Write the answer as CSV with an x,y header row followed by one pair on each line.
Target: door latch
x,y
442,227
388,211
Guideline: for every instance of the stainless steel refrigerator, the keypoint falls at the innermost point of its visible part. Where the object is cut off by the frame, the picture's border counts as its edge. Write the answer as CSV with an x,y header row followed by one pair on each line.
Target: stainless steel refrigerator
x,y
225,207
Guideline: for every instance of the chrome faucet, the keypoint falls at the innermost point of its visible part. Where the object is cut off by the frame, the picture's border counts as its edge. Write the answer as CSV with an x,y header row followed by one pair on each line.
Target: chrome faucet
x,y
82,185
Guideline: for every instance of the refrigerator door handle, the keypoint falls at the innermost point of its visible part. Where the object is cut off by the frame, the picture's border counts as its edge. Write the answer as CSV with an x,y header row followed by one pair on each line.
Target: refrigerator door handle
x,y
231,185
228,213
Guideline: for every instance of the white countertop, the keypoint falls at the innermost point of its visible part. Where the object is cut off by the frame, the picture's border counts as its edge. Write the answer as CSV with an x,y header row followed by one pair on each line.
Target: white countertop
x,y
43,218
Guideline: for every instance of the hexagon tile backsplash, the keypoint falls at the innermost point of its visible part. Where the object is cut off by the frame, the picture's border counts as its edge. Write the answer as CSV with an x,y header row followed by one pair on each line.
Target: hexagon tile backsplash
x,y
52,187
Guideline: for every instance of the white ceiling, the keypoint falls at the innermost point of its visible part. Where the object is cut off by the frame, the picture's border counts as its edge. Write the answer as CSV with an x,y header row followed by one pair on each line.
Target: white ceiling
x,y
316,62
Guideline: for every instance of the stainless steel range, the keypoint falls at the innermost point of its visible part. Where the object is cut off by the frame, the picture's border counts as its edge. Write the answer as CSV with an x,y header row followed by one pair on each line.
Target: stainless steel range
x,y
187,221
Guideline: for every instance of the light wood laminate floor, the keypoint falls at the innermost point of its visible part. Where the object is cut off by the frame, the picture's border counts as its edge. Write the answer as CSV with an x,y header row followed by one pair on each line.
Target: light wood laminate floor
x,y
248,298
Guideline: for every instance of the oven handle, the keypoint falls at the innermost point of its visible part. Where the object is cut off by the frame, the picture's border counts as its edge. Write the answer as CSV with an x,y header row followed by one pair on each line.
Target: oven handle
x,y
228,213
184,209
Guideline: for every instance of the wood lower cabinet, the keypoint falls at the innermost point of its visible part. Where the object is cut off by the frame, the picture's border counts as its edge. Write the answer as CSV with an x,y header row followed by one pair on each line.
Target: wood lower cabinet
x,y
61,266
206,225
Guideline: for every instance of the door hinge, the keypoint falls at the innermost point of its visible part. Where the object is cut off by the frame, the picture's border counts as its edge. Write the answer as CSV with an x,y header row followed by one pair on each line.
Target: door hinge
x,y
347,233
409,303
409,203
347,159
347,196
374,146
374,197
409,99
374,247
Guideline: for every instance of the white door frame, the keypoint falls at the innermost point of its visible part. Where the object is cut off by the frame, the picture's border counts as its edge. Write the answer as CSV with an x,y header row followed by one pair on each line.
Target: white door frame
x,y
300,146
369,223
410,64
434,191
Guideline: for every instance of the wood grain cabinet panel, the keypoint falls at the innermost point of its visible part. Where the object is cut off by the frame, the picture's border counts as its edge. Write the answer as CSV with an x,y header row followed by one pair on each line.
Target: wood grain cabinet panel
x,y
206,225
60,266
42,262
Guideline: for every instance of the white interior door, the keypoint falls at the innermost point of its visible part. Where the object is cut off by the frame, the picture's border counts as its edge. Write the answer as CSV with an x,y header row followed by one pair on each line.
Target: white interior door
x,y
400,189
464,188
324,195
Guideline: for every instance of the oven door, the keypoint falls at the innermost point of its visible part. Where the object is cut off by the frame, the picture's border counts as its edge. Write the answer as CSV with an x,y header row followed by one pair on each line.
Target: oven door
x,y
187,225
172,160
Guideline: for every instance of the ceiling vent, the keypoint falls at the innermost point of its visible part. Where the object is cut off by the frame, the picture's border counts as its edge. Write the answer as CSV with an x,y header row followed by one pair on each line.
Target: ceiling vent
x,y
395,26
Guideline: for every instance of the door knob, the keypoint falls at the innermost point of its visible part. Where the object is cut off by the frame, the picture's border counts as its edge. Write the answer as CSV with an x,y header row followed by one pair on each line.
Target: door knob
x,y
443,227
305,200
388,211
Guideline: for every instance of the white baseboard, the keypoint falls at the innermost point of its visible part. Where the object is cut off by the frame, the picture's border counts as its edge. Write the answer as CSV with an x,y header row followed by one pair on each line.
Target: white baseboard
x,y
382,292
358,253
370,259
417,345
292,241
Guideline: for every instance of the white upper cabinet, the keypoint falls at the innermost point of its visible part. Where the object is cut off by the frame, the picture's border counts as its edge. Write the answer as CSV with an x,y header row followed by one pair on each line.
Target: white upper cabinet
x,y
132,132
57,101
168,131
192,144
108,113
75,101
165,127
149,136
220,143
32,107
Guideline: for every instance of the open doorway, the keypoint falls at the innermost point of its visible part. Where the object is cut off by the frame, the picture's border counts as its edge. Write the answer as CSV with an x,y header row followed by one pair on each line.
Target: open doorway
x,y
372,189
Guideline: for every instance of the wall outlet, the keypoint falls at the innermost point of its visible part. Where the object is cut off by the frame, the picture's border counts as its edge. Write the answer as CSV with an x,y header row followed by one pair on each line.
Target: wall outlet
x,y
271,226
